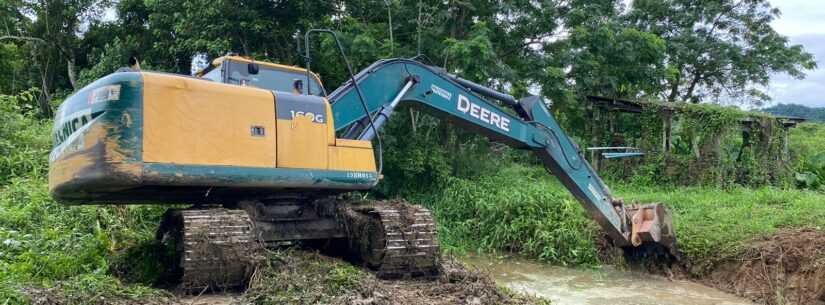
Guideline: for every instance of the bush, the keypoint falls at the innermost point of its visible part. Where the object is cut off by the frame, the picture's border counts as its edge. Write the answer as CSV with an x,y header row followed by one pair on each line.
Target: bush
x,y
519,209
808,151
24,139
44,243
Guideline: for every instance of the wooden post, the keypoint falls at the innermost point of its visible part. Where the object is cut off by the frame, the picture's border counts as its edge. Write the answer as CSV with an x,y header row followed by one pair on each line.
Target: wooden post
x,y
667,129
785,143
594,142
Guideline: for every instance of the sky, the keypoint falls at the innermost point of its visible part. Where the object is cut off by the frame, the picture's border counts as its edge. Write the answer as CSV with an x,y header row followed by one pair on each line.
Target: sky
x,y
803,21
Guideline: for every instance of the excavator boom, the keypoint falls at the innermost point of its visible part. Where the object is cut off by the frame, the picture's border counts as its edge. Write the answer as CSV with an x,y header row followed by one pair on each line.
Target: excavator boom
x,y
387,83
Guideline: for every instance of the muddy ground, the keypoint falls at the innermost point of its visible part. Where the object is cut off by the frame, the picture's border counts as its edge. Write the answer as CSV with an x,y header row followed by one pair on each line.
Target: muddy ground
x,y
782,269
787,268
305,277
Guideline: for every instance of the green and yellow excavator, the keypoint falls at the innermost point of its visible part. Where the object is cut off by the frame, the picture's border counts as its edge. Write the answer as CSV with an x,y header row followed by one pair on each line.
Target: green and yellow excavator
x,y
261,151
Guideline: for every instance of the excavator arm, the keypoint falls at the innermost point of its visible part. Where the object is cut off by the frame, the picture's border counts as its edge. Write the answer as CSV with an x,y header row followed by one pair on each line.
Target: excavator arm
x,y
382,86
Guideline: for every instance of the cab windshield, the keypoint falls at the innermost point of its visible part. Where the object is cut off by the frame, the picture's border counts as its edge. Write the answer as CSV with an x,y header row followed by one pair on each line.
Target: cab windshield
x,y
271,78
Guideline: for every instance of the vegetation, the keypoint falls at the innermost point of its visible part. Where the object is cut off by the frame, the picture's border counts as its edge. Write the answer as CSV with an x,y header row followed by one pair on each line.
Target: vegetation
x,y
519,209
709,145
560,48
799,111
526,211
714,224
486,197
809,152
45,244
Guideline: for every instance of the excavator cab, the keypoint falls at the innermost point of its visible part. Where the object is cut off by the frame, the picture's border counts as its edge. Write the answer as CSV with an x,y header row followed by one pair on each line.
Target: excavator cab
x,y
242,71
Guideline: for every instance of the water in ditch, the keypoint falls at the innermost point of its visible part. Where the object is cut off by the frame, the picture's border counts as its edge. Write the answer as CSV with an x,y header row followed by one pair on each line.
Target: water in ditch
x,y
603,286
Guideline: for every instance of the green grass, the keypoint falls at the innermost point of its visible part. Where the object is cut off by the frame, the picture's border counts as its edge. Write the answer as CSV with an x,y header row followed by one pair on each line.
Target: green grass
x,y
807,139
526,211
519,209
713,224
44,244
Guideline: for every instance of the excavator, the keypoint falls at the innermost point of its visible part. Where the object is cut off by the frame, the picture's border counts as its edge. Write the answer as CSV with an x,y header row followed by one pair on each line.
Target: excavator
x,y
263,154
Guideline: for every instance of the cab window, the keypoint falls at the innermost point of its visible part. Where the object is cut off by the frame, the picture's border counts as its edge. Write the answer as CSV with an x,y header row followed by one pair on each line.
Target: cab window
x,y
214,75
270,78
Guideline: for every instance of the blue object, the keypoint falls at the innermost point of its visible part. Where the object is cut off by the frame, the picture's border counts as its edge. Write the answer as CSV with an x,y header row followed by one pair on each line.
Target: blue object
x,y
616,155
533,127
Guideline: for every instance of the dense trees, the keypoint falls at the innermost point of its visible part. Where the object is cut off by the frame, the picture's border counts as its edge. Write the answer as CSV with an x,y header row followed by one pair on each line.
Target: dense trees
x,y
674,50
800,111
677,50
719,48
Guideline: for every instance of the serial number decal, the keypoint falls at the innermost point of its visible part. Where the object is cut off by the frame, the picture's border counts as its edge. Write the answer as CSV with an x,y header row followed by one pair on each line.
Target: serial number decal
x,y
359,175
441,92
483,114
104,94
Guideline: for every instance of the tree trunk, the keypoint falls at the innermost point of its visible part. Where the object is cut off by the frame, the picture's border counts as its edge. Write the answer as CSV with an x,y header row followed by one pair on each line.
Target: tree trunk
x,y
667,127
44,102
71,68
674,88
689,94
45,97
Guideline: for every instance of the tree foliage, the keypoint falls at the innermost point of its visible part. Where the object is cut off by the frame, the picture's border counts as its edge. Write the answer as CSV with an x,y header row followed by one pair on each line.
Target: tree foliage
x,y
799,111
719,48
564,50
676,49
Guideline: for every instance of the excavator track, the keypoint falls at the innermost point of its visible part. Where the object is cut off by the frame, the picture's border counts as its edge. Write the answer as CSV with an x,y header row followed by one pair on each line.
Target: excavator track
x,y
397,239
219,248
216,247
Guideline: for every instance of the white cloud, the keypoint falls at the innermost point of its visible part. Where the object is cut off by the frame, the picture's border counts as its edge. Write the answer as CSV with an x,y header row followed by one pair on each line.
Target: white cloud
x,y
804,22
800,17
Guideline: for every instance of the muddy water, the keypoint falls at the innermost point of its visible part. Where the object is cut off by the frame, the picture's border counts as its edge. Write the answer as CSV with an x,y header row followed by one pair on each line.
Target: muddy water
x,y
603,286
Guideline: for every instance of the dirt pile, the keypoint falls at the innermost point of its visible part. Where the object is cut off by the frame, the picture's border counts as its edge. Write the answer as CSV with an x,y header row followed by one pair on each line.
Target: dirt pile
x,y
62,296
303,277
782,269
298,277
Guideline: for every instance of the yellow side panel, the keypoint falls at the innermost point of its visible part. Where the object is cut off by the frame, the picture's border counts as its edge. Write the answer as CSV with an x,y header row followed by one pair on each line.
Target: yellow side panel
x,y
353,143
351,159
190,121
302,143
330,125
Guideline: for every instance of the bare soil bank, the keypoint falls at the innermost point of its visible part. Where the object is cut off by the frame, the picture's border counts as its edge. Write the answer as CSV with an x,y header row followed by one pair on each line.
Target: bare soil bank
x,y
301,277
782,269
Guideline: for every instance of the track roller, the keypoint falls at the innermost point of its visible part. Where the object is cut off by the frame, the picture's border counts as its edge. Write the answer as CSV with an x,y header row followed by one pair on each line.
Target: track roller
x,y
216,247
396,239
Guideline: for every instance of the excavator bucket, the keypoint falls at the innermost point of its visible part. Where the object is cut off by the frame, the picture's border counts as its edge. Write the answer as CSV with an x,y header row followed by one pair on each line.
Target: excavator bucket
x,y
652,230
